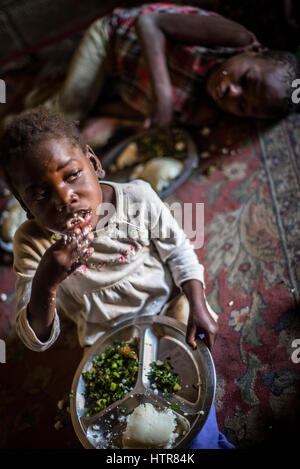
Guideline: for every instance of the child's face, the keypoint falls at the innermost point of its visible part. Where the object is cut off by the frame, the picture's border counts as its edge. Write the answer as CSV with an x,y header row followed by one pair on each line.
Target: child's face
x,y
58,180
246,85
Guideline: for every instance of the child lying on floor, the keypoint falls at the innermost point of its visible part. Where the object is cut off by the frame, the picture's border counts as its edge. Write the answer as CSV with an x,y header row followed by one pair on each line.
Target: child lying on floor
x,y
176,64
102,268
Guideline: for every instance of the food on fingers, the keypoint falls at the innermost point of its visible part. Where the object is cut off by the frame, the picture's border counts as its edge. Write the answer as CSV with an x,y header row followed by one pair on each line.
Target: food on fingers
x,y
80,218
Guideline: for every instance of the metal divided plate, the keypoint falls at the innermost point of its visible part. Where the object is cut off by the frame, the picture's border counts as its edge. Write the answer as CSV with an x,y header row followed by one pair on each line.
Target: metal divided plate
x,y
159,338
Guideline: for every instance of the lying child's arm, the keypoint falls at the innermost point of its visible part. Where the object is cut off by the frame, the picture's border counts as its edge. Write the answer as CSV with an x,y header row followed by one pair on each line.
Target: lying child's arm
x,y
194,29
153,45
154,29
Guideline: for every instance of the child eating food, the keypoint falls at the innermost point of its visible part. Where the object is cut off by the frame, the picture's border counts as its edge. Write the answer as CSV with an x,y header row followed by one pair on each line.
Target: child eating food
x,y
105,265
90,248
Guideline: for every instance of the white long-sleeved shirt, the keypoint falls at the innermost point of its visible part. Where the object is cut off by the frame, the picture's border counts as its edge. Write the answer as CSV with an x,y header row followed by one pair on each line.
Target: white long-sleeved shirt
x,y
133,269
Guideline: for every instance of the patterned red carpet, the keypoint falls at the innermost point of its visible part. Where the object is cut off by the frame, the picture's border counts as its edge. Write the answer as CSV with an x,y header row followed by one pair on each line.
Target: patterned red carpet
x,y
251,253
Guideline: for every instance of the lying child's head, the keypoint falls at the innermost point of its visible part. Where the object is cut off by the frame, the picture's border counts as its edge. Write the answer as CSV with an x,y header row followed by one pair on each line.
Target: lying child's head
x,y
49,169
255,84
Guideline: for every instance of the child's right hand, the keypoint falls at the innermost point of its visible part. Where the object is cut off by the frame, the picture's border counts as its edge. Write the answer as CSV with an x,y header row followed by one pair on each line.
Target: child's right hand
x,y
57,263
66,255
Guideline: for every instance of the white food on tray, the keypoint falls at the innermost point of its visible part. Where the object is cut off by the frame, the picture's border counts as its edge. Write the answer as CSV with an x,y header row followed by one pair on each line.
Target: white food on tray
x,y
128,157
159,172
150,428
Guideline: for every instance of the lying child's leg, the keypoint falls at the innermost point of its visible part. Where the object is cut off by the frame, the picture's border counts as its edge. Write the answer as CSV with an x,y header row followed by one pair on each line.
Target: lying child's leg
x,y
87,72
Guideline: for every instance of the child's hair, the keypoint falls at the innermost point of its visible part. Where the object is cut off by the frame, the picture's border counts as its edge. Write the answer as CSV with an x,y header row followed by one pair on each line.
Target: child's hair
x,y
290,64
26,131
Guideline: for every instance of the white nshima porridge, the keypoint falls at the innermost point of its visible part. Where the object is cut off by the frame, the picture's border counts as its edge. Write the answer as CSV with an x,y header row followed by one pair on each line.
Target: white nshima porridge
x,y
149,428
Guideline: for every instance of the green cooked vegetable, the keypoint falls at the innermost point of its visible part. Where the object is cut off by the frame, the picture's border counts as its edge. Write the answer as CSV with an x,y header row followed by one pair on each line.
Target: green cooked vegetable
x,y
113,375
163,377
162,144
174,406
55,237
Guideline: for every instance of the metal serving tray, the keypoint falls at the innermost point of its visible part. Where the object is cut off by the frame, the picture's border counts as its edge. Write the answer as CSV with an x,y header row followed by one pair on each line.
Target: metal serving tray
x,y
159,338
189,160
